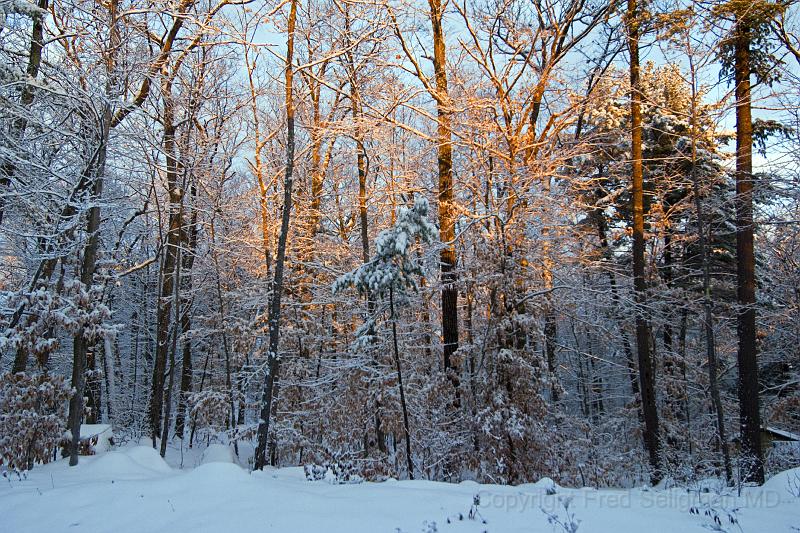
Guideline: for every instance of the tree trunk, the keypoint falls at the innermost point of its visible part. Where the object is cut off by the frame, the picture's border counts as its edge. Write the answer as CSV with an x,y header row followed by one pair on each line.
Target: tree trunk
x,y
176,304
711,349
223,333
646,367
550,325
750,416
317,169
186,324
80,343
110,371
667,275
93,403
404,407
168,267
8,168
447,215
615,298
273,360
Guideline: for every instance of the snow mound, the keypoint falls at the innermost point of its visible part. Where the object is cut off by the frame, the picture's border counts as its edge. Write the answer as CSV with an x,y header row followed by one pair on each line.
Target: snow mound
x,y
148,458
546,484
114,464
132,462
222,474
783,481
217,453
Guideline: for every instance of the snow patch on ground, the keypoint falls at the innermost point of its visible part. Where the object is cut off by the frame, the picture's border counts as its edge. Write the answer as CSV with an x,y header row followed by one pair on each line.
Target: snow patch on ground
x,y
786,482
133,490
218,453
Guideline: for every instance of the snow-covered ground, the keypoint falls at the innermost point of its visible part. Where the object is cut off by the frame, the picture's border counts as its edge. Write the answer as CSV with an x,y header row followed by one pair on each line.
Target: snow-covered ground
x,y
133,490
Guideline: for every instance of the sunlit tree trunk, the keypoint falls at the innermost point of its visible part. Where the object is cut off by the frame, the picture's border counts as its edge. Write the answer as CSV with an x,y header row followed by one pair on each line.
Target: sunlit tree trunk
x,y
447,214
749,413
646,366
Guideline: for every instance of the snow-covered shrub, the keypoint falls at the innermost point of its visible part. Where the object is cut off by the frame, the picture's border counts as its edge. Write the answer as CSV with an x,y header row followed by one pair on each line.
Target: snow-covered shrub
x,y
516,442
209,410
784,413
72,309
33,335
314,472
32,418
335,473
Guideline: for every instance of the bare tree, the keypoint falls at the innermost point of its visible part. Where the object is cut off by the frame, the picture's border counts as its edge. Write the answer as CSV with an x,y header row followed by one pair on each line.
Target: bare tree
x,y
273,357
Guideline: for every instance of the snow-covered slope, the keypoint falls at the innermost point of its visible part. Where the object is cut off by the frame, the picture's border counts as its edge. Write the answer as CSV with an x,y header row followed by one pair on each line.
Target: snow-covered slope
x,y
134,491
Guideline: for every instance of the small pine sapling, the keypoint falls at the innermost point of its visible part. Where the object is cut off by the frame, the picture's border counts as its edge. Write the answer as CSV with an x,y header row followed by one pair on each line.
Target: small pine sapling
x,y
392,269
